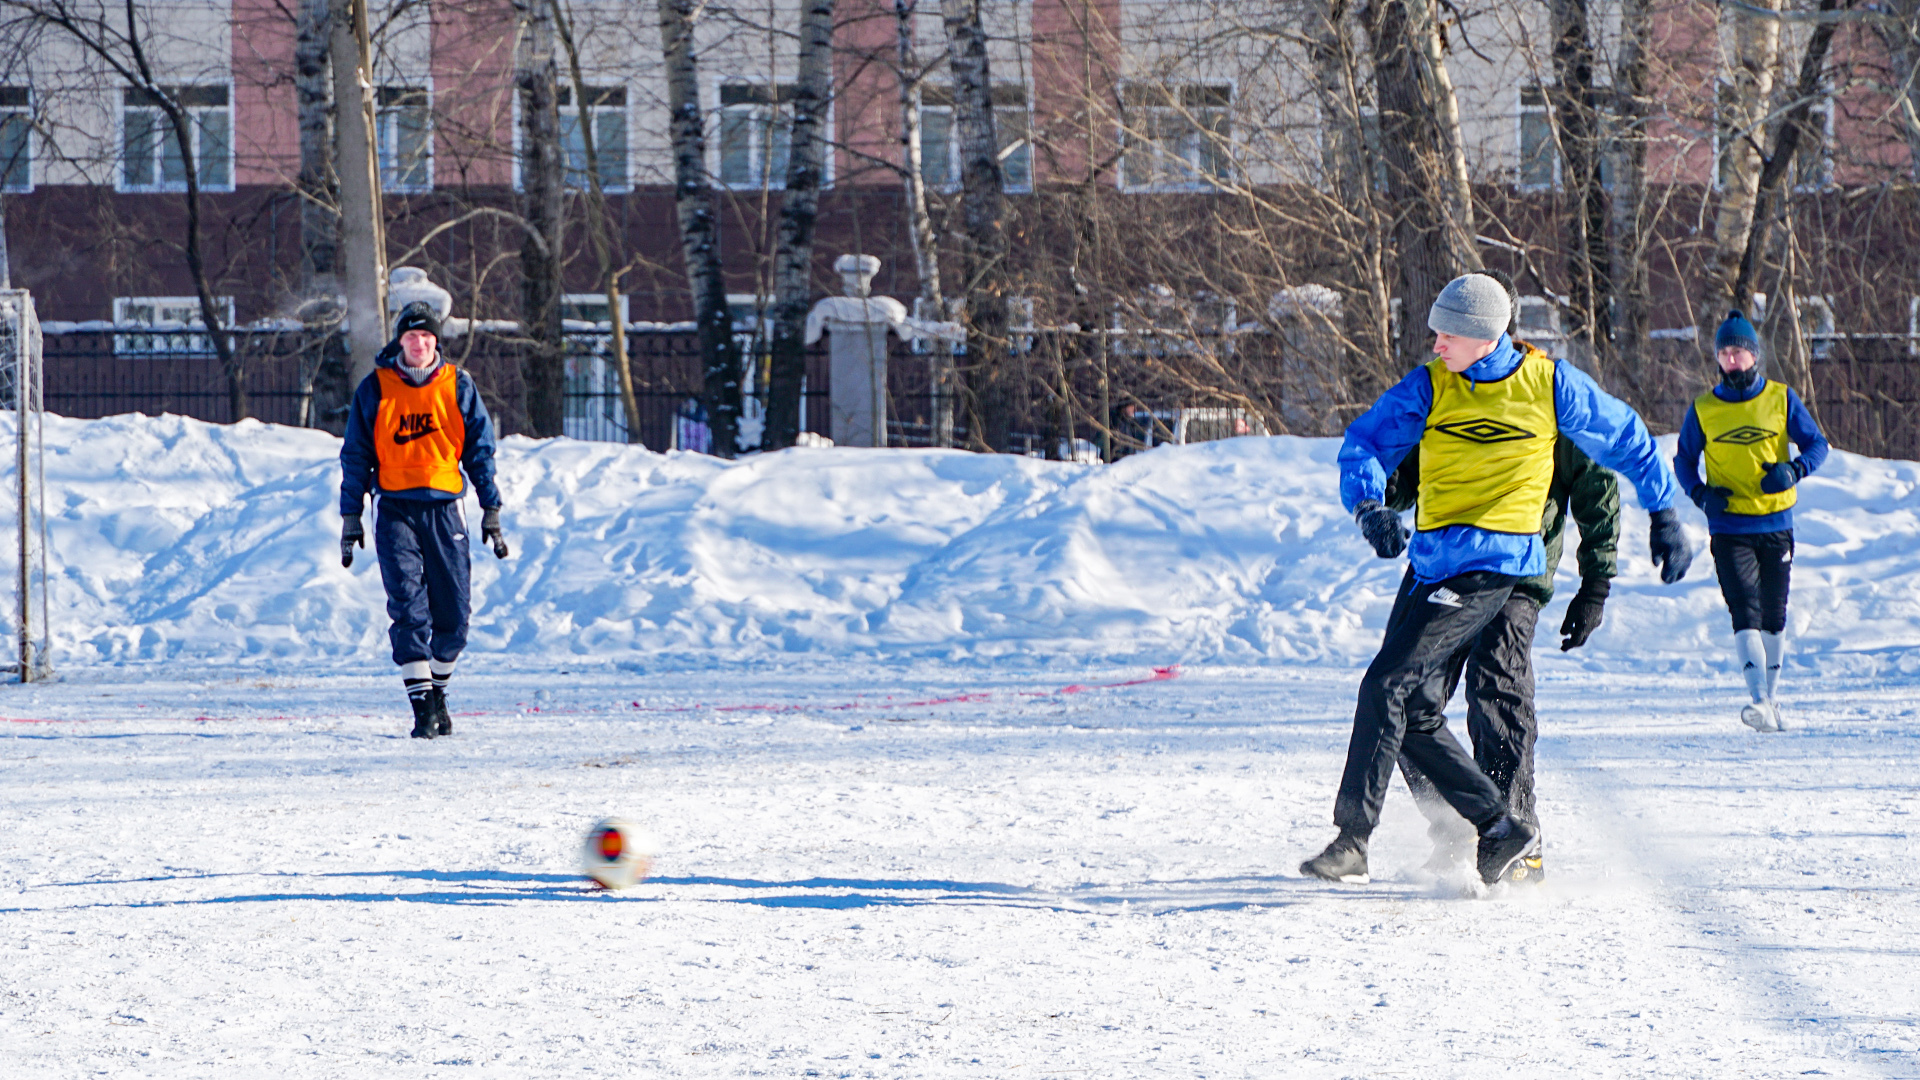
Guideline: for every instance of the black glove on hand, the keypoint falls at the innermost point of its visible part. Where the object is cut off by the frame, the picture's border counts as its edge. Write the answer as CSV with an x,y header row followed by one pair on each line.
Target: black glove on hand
x,y
1711,499
490,532
1780,476
1381,527
1668,546
1584,615
350,534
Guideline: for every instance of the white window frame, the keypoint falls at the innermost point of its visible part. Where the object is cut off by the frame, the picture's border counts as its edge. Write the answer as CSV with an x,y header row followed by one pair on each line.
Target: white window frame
x,y
24,111
385,134
174,336
779,104
594,300
595,110
1522,110
163,128
1008,97
1184,109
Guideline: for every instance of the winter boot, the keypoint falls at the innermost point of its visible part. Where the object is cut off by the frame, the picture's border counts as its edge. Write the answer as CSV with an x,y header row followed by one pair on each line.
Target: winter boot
x,y
442,720
1502,844
1531,869
1345,860
425,723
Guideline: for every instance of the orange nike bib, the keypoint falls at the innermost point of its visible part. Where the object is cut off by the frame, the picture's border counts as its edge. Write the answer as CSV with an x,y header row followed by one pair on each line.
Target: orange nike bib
x,y
418,433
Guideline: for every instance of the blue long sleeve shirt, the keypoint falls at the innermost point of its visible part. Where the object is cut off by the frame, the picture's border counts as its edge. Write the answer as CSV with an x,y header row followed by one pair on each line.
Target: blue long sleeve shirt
x,y
1601,425
1693,442
360,461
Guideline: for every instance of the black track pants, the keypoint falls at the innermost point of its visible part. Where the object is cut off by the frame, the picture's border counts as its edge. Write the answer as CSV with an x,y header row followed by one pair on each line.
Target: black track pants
x,y
1403,693
426,565
1755,570
1498,664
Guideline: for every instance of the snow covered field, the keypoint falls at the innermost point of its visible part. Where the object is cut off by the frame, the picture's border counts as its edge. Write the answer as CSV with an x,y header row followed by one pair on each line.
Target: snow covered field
x,y
835,684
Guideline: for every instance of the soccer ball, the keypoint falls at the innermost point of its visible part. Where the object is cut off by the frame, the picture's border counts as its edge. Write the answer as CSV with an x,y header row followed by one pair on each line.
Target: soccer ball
x,y
617,854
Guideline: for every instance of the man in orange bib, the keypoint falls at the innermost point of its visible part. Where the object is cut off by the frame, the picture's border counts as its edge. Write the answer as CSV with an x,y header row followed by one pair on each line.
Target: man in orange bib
x,y
417,432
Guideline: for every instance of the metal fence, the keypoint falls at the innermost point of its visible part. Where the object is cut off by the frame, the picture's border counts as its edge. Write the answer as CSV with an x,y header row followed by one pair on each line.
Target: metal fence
x,y
1101,394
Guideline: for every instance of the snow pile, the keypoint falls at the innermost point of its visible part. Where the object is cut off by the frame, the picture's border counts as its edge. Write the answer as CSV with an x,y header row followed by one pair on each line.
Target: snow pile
x,y
179,540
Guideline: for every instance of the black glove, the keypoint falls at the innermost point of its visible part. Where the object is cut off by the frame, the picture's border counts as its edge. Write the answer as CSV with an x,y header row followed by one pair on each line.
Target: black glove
x,y
490,532
1381,527
1668,546
350,534
1780,476
1711,499
1585,614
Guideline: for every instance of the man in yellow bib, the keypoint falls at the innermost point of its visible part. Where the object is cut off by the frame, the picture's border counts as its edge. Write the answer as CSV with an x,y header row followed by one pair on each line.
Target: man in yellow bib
x,y
416,433
1484,417
1741,428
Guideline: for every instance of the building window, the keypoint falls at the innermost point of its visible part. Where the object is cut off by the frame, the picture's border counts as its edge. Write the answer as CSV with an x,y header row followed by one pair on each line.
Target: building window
x,y
756,131
151,156
607,110
16,143
1175,138
940,138
172,318
1539,157
404,128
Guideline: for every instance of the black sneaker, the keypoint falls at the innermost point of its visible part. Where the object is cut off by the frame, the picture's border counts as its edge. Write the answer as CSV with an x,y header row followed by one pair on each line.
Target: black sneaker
x,y
1498,854
442,720
425,723
1345,860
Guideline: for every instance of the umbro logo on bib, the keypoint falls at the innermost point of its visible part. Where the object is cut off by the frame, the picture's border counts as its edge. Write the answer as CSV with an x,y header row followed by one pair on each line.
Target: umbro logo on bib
x,y
1746,435
1444,596
1484,431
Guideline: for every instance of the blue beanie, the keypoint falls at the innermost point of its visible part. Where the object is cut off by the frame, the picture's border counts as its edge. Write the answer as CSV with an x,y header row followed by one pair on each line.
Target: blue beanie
x,y
1737,333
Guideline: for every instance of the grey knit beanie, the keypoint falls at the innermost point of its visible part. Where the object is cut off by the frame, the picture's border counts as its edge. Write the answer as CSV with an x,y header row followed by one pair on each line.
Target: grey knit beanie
x,y
1471,306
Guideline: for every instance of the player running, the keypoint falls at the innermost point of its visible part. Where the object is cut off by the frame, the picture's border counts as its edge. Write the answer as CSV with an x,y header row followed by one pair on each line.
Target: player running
x,y
1741,427
1484,416
415,426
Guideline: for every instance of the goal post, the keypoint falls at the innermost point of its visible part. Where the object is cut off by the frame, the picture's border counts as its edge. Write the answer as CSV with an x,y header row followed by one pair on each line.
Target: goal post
x,y
23,401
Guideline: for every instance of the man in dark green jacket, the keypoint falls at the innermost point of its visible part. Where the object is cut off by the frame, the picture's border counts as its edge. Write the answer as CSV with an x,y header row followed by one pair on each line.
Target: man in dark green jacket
x,y
1498,664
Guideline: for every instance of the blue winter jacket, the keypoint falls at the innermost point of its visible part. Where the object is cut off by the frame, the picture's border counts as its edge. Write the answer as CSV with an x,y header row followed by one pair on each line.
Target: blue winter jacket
x,y
1601,425
1693,442
360,463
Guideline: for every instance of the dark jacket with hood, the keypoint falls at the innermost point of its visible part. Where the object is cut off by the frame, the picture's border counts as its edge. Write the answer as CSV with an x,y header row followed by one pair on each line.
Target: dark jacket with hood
x,y
359,456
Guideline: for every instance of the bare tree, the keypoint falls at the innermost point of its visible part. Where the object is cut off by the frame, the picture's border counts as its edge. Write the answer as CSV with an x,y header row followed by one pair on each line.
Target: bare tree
x,y
542,193
123,48
1632,110
983,236
1577,123
1745,100
926,253
316,185
793,258
699,229
597,231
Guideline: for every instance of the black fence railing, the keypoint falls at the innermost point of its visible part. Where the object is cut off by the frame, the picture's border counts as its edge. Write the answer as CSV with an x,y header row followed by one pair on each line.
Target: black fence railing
x,y
1102,394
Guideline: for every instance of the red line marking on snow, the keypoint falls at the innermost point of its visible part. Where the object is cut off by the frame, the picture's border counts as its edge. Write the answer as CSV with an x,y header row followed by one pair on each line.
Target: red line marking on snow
x,y
1160,674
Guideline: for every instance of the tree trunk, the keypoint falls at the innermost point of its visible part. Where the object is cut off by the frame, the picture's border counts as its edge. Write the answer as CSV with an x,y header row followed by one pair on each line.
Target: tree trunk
x,y
983,215
6,266
1632,284
1577,120
1432,244
319,206
793,257
1423,24
597,229
926,254
699,229
543,366
362,255
1752,47
1787,137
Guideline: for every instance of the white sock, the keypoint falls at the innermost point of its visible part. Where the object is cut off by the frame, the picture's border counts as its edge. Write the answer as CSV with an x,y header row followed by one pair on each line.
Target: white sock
x,y
1776,647
442,671
1752,655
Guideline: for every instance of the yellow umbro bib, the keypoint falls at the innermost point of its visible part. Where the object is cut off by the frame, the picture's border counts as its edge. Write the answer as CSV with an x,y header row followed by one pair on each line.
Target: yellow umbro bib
x,y
1742,439
1486,459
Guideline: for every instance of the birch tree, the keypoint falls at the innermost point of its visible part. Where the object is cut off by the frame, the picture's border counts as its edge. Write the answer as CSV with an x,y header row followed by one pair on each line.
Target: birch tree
x,y
699,229
1750,47
799,211
983,234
